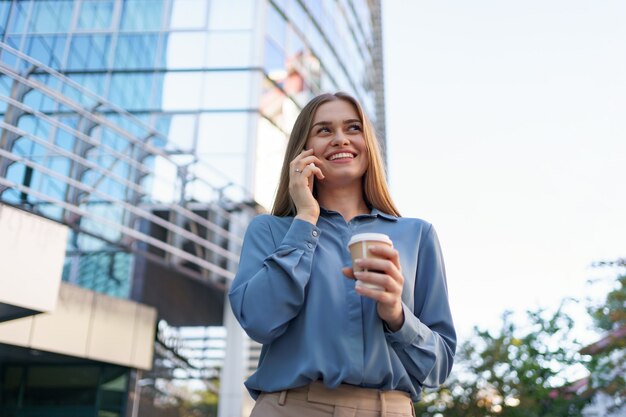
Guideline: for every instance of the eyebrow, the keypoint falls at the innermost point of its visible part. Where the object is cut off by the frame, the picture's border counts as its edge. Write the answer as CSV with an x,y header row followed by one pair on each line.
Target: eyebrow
x,y
326,123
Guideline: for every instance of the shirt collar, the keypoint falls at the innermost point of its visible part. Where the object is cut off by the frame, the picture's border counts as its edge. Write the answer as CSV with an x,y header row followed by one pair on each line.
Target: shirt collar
x,y
391,217
374,213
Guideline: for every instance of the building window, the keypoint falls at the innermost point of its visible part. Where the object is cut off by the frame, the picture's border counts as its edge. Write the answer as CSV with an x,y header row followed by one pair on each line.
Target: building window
x,y
95,14
231,14
189,14
51,16
144,15
89,52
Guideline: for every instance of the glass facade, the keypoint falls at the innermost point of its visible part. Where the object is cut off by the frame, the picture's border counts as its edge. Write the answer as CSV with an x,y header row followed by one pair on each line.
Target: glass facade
x,y
219,81
63,390
117,114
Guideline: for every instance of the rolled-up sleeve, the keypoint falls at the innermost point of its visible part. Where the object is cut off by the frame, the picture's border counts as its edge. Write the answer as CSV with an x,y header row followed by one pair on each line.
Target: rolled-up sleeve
x,y
426,342
269,288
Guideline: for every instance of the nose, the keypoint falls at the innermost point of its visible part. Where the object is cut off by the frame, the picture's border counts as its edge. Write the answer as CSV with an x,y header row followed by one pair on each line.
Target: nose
x,y
340,138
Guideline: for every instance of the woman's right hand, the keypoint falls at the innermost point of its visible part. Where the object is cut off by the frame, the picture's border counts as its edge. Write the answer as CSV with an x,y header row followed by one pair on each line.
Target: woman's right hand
x,y
302,173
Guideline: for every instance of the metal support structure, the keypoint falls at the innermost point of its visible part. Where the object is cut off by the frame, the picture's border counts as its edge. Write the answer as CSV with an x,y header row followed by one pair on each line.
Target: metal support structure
x,y
234,371
11,117
123,190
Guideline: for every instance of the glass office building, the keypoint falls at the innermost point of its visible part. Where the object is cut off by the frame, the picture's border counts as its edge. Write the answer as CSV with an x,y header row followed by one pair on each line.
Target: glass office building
x,y
154,129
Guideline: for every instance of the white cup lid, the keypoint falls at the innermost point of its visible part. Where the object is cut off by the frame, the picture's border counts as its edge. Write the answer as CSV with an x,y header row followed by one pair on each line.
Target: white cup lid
x,y
379,237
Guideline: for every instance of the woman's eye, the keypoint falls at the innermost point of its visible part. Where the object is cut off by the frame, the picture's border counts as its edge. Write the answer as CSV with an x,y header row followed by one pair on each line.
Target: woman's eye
x,y
323,130
354,127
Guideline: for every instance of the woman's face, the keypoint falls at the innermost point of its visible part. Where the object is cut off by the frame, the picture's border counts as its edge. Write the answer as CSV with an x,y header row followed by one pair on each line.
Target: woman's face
x,y
336,137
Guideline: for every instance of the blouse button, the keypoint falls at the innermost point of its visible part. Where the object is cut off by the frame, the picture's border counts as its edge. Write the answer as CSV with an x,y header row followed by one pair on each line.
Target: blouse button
x,y
315,233
309,244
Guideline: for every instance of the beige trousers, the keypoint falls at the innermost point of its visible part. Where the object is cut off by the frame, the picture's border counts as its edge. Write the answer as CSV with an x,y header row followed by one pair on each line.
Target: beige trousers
x,y
316,400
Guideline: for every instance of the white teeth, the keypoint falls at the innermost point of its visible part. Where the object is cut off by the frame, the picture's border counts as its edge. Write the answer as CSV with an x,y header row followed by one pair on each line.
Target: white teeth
x,y
341,155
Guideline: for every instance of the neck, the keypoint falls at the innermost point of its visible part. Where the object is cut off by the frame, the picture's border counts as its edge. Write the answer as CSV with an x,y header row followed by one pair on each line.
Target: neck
x,y
348,201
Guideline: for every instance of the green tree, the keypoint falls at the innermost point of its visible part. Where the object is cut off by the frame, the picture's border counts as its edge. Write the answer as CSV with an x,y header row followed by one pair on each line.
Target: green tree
x,y
607,366
202,404
516,372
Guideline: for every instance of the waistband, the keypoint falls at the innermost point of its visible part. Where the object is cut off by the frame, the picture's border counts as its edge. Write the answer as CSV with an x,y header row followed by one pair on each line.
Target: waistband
x,y
350,396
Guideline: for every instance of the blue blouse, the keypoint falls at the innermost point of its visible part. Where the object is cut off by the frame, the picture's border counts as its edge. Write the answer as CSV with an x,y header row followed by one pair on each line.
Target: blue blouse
x,y
290,295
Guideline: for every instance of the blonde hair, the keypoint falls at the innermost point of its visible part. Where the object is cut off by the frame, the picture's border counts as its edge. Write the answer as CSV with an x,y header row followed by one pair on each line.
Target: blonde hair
x,y
375,189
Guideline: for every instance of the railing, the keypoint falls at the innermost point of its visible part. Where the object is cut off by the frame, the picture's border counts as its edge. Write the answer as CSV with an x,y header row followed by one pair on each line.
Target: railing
x,y
81,160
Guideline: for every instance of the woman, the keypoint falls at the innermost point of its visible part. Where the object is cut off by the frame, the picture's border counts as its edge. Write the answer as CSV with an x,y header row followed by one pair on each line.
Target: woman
x,y
330,347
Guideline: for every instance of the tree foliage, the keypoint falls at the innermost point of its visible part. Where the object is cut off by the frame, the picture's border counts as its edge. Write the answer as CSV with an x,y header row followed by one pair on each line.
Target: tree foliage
x,y
608,357
203,404
514,372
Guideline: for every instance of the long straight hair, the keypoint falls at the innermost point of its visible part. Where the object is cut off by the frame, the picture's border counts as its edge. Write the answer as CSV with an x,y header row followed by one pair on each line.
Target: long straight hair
x,y
375,189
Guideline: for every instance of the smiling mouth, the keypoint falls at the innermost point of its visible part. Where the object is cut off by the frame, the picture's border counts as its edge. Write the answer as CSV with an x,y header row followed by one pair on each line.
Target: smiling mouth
x,y
341,155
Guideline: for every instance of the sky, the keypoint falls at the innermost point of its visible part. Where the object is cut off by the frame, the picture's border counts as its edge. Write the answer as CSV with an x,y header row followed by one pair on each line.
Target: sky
x,y
506,130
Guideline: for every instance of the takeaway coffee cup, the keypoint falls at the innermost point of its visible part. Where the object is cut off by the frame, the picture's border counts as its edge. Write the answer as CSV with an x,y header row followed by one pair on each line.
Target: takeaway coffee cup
x,y
358,245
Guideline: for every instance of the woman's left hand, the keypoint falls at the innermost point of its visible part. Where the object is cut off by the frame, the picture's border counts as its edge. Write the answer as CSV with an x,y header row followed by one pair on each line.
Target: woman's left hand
x,y
385,273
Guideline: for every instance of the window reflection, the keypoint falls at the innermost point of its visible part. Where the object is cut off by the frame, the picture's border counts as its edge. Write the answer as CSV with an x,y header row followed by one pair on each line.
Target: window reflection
x,y
93,82
227,90
5,6
229,49
189,14
223,133
234,166
89,52
95,14
274,60
276,26
185,50
270,151
181,131
142,14
48,16
181,91
231,14
18,17
135,51
131,91
47,49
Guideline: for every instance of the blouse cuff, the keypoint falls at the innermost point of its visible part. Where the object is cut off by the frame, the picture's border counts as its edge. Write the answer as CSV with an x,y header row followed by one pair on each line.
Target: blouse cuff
x,y
302,235
409,331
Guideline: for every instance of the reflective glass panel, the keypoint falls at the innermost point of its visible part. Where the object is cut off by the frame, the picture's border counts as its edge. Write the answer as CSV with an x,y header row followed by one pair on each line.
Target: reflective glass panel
x,y
276,26
51,16
297,16
135,51
17,17
294,45
189,14
163,185
271,144
229,49
182,91
131,91
233,168
227,90
142,14
222,133
182,131
38,101
274,61
89,52
95,14
48,49
10,59
231,14
316,9
185,50
5,7
5,89
92,82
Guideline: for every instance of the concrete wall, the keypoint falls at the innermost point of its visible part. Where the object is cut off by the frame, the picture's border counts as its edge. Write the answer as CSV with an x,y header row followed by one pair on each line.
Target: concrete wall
x,y
89,325
32,250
